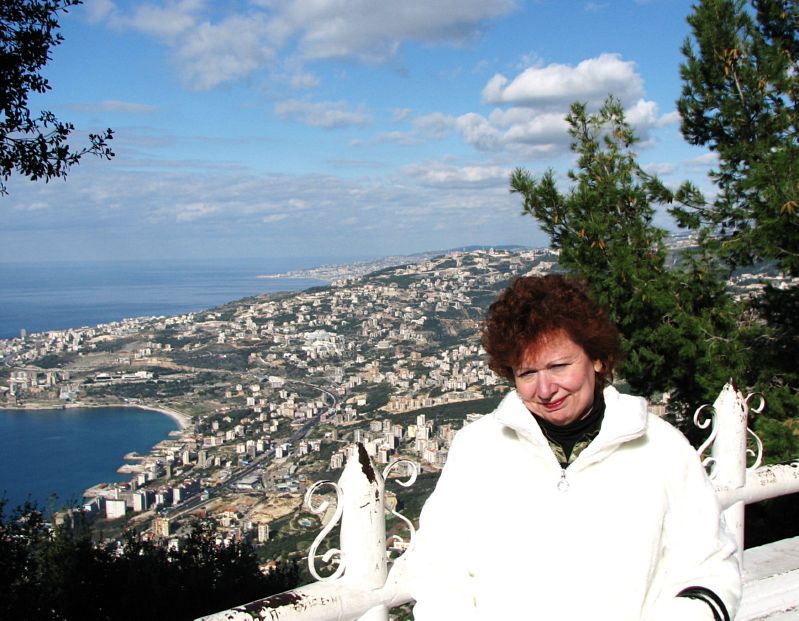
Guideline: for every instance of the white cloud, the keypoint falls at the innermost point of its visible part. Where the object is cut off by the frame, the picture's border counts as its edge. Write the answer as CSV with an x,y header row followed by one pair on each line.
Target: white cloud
x,y
558,85
442,175
192,211
373,30
227,51
167,211
99,10
33,206
277,217
523,125
304,80
642,114
703,162
209,52
661,170
478,132
670,118
113,105
401,114
169,21
327,115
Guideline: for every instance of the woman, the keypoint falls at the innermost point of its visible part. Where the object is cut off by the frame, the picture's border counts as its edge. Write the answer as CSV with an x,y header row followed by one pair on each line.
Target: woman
x,y
569,502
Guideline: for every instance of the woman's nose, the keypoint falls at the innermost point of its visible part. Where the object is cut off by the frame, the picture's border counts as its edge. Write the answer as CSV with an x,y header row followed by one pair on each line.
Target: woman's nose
x,y
546,387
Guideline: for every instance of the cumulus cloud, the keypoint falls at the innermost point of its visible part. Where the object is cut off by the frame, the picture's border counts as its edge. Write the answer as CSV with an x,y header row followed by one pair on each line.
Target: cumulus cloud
x,y
642,114
530,109
374,30
328,115
557,84
209,51
168,21
670,118
227,51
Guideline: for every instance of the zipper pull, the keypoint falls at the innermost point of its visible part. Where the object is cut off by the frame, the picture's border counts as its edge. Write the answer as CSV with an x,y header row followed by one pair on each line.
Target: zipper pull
x,y
563,484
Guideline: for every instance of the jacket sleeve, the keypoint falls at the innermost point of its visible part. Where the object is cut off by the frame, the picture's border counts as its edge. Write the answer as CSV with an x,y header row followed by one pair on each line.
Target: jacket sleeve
x,y
699,570
439,572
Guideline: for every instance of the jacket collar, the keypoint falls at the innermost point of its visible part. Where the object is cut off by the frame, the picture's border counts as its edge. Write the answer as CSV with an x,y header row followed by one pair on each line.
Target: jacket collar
x,y
625,419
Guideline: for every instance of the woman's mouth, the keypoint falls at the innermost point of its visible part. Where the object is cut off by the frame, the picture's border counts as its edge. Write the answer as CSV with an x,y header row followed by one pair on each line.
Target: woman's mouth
x,y
554,405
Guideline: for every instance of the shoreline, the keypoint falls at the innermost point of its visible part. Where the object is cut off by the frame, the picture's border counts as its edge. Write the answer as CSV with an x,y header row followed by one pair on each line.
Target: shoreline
x,y
183,420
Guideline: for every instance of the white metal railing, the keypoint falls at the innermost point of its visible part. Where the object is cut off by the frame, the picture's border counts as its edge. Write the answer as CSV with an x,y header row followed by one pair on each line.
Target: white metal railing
x,y
363,588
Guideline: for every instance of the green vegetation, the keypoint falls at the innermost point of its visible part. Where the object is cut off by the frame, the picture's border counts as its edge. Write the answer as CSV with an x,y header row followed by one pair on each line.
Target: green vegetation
x,y
35,147
61,574
740,99
673,323
54,361
682,331
449,412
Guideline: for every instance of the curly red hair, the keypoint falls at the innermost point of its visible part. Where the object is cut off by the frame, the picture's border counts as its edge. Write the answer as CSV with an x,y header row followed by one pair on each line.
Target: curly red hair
x,y
533,308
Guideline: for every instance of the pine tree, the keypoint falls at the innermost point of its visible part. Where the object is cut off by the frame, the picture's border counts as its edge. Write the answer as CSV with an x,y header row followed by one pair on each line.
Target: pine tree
x,y
740,98
677,322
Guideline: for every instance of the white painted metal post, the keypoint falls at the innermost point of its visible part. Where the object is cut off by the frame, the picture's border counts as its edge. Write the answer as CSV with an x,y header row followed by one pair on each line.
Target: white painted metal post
x,y
728,451
363,527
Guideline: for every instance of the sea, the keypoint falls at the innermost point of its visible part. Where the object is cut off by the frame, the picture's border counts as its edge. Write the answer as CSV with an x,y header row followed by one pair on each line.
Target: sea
x,y
52,456
50,295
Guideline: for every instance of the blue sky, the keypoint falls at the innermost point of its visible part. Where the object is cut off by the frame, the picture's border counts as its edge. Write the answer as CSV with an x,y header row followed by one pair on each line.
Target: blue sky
x,y
336,128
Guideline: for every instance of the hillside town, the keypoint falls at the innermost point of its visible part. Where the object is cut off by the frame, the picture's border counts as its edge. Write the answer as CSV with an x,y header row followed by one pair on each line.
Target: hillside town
x,y
270,390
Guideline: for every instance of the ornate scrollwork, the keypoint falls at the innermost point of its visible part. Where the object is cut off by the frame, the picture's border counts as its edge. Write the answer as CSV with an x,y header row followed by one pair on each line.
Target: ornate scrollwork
x,y
758,453
414,473
703,423
320,509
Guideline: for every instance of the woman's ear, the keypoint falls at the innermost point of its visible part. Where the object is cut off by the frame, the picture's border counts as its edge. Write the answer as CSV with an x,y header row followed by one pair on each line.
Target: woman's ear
x,y
599,366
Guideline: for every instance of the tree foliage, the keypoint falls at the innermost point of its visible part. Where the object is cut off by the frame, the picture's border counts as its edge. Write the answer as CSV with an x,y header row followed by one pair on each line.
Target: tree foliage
x,y
61,574
740,98
675,320
35,146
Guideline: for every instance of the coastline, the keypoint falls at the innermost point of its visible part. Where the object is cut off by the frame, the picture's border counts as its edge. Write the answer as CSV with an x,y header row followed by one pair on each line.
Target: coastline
x,y
119,464
183,420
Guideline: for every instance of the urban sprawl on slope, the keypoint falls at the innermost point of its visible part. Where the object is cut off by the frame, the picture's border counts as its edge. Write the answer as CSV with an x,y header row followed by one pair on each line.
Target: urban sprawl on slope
x,y
271,389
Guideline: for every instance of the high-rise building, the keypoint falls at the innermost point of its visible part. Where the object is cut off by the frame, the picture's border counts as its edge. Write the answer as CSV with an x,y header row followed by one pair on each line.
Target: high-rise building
x,y
161,527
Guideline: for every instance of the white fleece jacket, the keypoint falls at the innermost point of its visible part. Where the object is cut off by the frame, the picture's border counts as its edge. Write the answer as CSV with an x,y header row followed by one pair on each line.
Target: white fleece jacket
x,y
508,534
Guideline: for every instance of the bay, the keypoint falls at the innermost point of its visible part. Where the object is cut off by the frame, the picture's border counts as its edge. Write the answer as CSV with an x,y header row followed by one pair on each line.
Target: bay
x,y
66,451
47,295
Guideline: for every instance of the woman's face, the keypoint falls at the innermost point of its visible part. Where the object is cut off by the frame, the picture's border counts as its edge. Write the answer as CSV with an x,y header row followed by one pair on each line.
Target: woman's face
x,y
556,379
